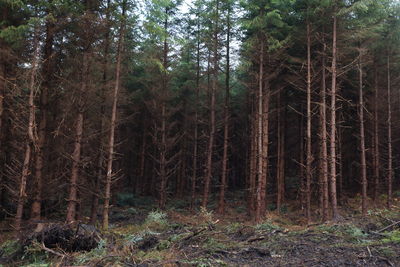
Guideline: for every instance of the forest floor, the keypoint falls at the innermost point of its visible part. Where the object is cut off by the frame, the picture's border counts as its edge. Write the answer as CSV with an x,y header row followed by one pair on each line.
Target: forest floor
x,y
142,236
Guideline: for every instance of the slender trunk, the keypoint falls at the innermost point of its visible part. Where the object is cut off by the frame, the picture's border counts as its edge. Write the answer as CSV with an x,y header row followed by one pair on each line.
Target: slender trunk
x,y
76,155
323,139
389,133
309,157
31,141
279,179
224,174
210,148
163,133
363,162
100,160
260,175
333,124
111,142
376,135
253,162
140,181
42,133
196,120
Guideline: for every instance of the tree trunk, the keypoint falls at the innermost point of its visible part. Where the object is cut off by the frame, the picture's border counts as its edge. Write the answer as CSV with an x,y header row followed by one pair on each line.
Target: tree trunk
x,y
196,121
363,162
323,141
260,175
76,155
333,123
31,141
376,135
210,147
42,134
224,174
111,142
389,133
309,157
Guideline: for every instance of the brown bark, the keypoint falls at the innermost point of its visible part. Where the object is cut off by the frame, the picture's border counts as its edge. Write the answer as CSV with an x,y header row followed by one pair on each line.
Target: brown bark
x,y
389,134
363,163
196,120
113,122
376,135
31,136
214,85
100,157
260,193
42,133
76,155
224,174
332,136
309,157
323,141
280,167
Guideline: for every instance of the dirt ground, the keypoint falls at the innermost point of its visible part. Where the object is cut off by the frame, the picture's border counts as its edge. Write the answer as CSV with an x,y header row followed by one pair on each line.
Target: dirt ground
x,y
141,236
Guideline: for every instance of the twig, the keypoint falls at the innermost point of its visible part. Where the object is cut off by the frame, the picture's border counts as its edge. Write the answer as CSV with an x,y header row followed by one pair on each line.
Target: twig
x,y
390,226
52,251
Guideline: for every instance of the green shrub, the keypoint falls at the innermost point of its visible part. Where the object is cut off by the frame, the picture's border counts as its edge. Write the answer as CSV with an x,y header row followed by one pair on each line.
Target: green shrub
x,y
125,199
392,237
9,248
267,226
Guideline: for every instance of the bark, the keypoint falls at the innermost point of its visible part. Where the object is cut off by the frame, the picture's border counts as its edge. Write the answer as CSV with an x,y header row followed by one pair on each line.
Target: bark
x,y
389,134
42,133
224,174
280,157
100,159
260,193
323,141
332,136
363,162
111,142
31,136
196,120
214,85
163,131
309,157
376,152
76,155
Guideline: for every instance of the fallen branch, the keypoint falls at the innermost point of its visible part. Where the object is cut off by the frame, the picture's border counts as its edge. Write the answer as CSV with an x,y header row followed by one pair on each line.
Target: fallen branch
x,y
388,227
53,251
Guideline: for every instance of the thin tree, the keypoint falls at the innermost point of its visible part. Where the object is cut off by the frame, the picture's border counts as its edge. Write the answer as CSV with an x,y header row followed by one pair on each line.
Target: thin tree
x,y
389,134
214,85
333,120
31,141
113,121
363,162
224,173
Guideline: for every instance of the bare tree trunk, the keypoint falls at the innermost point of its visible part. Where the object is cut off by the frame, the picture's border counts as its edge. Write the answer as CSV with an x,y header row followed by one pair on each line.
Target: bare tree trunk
x,y
333,123
389,133
76,155
363,162
224,174
376,135
196,120
323,139
309,157
260,175
31,142
280,158
42,133
111,142
253,163
210,148
100,162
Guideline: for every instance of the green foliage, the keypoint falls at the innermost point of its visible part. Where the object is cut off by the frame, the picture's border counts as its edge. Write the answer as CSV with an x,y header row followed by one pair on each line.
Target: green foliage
x,y
267,226
99,252
125,199
213,245
392,237
9,248
157,217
